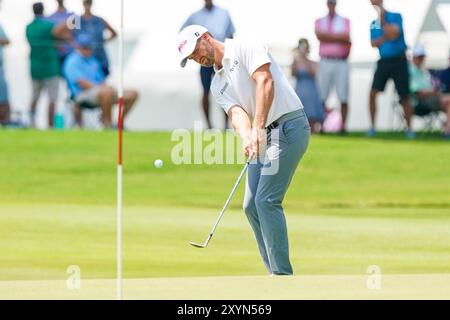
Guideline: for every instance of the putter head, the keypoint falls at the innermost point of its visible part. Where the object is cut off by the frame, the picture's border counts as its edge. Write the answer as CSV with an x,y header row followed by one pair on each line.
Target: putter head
x,y
201,246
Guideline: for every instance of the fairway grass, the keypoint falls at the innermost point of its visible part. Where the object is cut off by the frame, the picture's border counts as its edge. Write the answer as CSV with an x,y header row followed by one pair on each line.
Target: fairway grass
x,y
354,203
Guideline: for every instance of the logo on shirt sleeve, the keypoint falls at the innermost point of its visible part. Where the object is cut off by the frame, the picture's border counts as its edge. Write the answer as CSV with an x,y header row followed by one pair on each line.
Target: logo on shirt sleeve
x,y
224,88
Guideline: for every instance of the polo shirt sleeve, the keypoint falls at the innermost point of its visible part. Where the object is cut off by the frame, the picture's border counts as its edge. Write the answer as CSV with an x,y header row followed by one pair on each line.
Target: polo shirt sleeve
x,y
253,56
223,101
375,30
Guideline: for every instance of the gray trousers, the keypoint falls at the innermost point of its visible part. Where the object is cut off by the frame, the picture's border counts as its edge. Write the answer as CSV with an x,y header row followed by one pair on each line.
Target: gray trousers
x,y
267,182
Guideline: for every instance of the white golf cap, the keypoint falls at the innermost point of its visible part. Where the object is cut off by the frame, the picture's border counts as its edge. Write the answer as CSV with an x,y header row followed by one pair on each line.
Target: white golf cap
x,y
419,51
187,41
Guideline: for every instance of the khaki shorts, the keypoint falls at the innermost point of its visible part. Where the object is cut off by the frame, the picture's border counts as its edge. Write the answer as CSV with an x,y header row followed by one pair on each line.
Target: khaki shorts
x,y
334,74
51,85
91,96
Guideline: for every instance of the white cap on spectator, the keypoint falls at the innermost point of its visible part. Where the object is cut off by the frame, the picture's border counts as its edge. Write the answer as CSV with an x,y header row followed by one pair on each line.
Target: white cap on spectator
x,y
419,51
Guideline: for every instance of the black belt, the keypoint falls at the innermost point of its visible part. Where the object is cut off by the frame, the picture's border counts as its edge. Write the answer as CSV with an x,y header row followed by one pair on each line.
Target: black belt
x,y
272,126
286,117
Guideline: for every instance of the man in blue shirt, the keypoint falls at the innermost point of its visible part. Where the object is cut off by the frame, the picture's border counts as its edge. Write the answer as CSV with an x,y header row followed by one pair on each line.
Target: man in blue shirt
x,y
86,81
386,34
219,24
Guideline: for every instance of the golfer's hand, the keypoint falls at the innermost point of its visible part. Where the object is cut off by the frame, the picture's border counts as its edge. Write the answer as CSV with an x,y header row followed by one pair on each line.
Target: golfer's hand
x,y
259,139
247,143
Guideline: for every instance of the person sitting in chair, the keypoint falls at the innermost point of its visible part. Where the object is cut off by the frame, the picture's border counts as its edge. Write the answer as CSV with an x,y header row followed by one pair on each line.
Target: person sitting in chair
x,y
86,81
425,99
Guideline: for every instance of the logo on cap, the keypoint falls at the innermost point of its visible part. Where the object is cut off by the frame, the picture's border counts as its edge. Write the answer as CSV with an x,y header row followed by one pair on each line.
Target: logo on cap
x,y
197,34
182,44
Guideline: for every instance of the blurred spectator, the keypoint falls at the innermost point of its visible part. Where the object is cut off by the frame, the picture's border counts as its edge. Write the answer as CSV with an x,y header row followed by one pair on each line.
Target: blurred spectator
x,y
425,99
86,81
445,78
95,27
62,15
333,32
44,62
4,101
305,70
386,34
219,24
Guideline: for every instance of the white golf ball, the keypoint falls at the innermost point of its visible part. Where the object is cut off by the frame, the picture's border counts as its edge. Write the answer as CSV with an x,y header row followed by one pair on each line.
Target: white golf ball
x,y
158,163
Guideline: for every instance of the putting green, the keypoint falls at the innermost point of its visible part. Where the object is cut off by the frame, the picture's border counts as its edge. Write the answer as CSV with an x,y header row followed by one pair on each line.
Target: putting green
x,y
419,286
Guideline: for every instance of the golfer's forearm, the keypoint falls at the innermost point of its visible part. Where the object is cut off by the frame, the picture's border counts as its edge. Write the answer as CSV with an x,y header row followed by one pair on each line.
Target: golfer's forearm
x,y
240,121
264,99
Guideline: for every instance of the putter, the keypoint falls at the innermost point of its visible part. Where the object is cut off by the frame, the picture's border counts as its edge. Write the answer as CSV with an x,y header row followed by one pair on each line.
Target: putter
x,y
202,246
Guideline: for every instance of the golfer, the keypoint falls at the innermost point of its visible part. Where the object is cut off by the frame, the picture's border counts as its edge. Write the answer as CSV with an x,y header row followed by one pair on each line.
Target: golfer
x,y
251,88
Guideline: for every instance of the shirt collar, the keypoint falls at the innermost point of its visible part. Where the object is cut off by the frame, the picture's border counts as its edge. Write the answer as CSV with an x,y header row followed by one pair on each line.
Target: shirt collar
x,y
227,55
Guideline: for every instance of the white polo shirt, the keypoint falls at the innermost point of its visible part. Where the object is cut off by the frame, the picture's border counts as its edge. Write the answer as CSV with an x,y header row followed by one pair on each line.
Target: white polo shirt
x,y
233,84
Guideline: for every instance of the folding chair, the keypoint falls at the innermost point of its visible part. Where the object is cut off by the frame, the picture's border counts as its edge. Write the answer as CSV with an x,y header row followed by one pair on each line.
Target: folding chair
x,y
433,120
87,115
